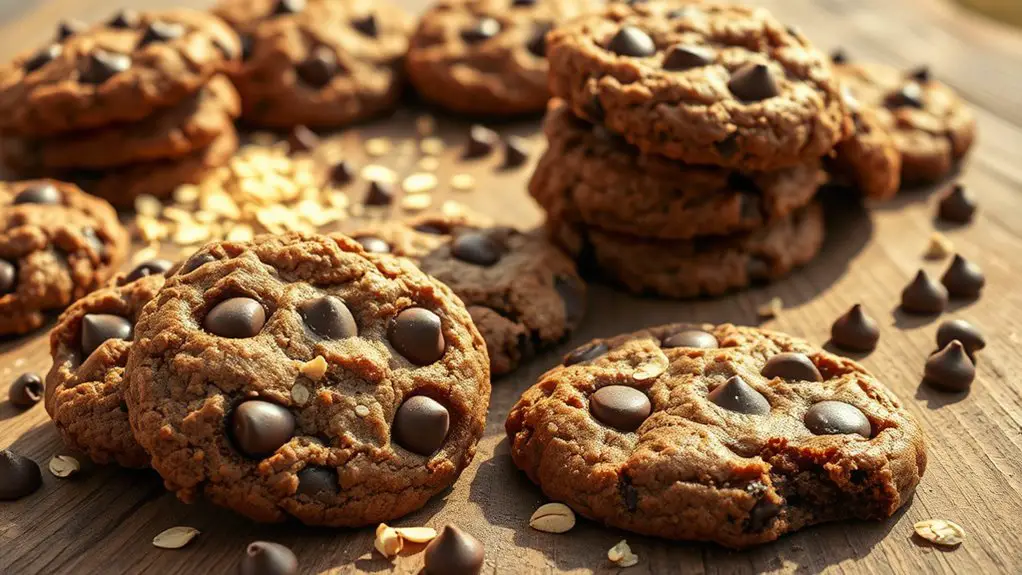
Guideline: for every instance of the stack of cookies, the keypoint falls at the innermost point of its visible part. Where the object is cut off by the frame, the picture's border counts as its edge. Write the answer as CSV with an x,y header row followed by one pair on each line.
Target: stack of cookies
x,y
135,105
685,145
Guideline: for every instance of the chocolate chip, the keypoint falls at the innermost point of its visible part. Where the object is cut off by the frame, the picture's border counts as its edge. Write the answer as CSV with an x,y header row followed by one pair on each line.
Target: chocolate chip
x,y
342,173
920,74
19,476
124,19
379,194
161,32
366,25
910,95
288,7
483,29
453,552
43,57
26,391
950,369
537,42
328,317
837,418
839,56
373,244
686,57
266,558
101,65
516,151
631,41
690,338
301,139
68,28
958,329
740,397
753,82
314,481
39,194
620,406
855,331
421,425
8,277
761,514
572,293
585,352
791,366
319,68
957,206
260,428
149,268
476,248
924,296
417,334
99,327
237,317
195,262
481,141
963,279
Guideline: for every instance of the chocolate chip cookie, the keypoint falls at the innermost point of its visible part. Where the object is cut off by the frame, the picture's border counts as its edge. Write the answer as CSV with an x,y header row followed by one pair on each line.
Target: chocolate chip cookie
x,y
122,70
56,245
523,293
300,375
716,433
487,57
869,159
321,63
703,83
706,265
590,176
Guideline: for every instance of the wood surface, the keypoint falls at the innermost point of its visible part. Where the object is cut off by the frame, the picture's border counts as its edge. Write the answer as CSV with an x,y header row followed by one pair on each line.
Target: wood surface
x,y
103,520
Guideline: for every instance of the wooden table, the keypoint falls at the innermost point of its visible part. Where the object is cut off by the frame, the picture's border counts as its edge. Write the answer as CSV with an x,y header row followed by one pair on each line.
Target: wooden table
x,y
103,520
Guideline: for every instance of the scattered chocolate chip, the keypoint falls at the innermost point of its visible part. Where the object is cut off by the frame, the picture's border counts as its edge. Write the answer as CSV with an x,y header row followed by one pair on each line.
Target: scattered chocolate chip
x,y
101,65
288,7
68,28
453,552
950,369
342,173
585,352
99,327
379,194
836,418
260,428
8,277
266,558
476,248
516,151
237,317
26,390
958,329
753,82
839,56
963,279
421,425
366,25
481,141
301,139
686,57
572,293
38,194
920,74
319,68
620,407
328,317
631,41
159,31
195,262
957,206
373,244
313,481
149,268
124,19
855,331
19,476
740,397
43,57
924,296
537,42
483,29
791,366
690,338
910,95
417,334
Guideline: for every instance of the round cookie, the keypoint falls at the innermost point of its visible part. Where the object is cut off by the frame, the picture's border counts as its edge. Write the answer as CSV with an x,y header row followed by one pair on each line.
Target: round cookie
x,y
321,63
298,375
56,245
591,176
487,57
120,71
708,265
729,434
703,83
523,293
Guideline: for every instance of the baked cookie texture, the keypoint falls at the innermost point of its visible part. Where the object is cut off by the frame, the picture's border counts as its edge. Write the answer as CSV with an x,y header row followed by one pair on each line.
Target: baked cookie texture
x,y
523,293
321,63
703,83
228,395
56,245
487,57
650,432
869,159
590,176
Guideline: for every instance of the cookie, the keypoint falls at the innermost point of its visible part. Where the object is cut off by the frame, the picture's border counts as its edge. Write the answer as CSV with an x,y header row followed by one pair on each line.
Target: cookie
x,y
487,57
120,71
869,159
590,176
320,63
931,127
298,375
708,265
173,132
56,245
523,293
703,83
729,434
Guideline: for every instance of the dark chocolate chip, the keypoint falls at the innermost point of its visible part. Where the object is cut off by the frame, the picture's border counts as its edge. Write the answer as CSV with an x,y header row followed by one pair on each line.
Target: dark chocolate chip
x,y
453,552
686,57
266,558
585,352
319,68
481,141
328,317
920,74
791,366
379,194
159,31
247,46
373,244
101,65
537,42
237,317
342,173
690,338
753,82
68,28
727,147
631,41
99,327
417,334
366,25
477,248
39,194
517,3
421,425
43,57
26,391
483,29
620,406
924,296
149,268
963,279
855,331
288,7
195,262
572,293
761,515
950,369
516,151
757,268
124,19
260,428
8,277
19,476
750,206
957,206
301,139
740,397
839,56
910,95
959,329
314,481
837,418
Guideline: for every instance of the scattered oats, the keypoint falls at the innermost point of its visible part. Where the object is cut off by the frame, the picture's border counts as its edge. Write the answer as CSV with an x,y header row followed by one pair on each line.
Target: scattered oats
x,y
378,173
338,200
419,183
771,308
151,230
425,125
186,194
940,247
388,542
300,394
64,466
463,182
652,367
361,410
206,217
190,234
240,233
145,254
431,146
940,532
553,518
416,202
218,202
377,147
175,537
315,369
147,205
428,164
621,555
177,215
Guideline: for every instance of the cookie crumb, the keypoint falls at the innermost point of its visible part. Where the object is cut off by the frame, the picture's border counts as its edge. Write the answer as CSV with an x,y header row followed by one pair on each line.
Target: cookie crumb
x,y
418,183
428,164
416,534
378,173
64,466
940,532
377,147
315,369
388,542
940,247
148,205
770,309
416,202
175,537
553,518
463,182
621,555
652,367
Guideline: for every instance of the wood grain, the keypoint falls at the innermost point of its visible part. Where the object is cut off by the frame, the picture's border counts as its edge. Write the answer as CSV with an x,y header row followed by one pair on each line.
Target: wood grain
x,y
103,520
